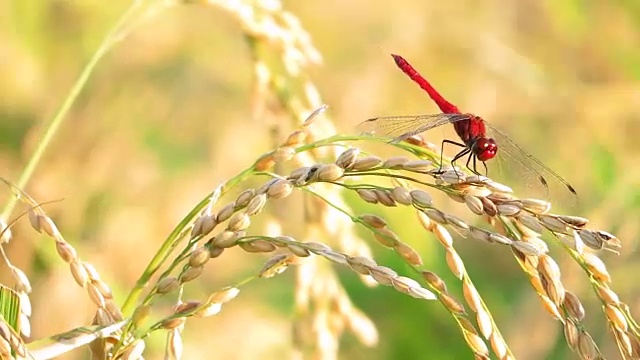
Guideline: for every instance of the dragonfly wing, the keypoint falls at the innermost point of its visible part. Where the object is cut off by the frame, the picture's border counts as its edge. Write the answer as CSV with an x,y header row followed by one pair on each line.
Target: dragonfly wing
x,y
527,163
403,127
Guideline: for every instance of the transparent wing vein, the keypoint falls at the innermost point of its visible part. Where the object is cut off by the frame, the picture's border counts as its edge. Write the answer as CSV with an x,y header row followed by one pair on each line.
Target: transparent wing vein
x,y
403,127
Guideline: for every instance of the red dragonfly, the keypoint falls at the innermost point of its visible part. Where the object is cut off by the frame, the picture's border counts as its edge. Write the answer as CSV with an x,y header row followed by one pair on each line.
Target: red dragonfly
x,y
471,129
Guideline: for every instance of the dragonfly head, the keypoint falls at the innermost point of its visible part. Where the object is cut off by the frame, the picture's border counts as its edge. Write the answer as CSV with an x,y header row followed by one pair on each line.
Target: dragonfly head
x,y
485,148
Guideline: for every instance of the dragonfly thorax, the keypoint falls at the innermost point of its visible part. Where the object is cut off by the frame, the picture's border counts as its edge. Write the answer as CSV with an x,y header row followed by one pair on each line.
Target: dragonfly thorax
x,y
484,148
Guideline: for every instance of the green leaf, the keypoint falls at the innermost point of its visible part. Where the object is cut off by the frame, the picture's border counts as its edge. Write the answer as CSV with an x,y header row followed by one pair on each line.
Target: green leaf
x,y
10,307
57,345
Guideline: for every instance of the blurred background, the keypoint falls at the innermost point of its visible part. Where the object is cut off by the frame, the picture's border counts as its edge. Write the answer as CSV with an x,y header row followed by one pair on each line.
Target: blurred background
x,y
167,116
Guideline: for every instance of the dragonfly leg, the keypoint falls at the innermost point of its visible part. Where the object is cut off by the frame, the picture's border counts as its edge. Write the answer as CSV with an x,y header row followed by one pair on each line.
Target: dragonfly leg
x,y
474,168
461,154
458,155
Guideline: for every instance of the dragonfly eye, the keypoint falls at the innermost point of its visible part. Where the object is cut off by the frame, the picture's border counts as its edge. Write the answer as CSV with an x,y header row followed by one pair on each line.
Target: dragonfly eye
x,y
485,149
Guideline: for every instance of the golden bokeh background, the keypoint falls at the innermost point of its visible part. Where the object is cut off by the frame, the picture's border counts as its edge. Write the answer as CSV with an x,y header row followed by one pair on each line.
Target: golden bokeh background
x,y
167,115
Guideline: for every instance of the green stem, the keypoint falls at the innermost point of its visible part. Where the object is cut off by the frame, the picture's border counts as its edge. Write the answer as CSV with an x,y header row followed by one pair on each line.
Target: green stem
x,y
169,243
55,123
